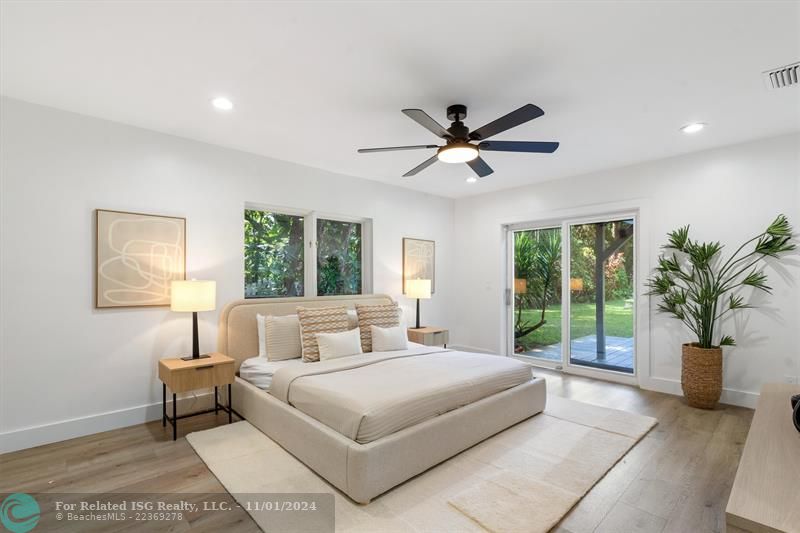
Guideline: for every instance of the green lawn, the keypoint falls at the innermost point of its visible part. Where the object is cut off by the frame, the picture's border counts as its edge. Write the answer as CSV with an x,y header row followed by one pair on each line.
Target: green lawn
x,y
618,321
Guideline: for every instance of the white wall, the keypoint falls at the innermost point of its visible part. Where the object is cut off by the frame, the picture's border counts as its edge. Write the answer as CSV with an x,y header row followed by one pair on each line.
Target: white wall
x,y
727,194
68,369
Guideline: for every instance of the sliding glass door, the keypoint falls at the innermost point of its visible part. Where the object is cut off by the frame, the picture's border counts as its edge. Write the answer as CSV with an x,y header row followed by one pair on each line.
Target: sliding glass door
x,y
537,293
571,295
601,293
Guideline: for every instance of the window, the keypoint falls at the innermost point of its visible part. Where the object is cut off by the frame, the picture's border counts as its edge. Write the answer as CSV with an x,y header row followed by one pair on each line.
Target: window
x,y
273,254
275,260
338,257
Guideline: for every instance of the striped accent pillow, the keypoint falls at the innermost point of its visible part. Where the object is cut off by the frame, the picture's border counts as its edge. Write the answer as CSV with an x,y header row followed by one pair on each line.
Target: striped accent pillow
x,y
383,316
319,320
283,338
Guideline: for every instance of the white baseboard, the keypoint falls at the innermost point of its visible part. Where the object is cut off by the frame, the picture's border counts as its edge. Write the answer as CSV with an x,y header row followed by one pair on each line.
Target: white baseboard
x,y
673,386
20,439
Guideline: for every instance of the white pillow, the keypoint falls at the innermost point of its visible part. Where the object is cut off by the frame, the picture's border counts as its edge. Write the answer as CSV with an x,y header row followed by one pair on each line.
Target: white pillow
x,y
342,344
262,335
389,339
283,337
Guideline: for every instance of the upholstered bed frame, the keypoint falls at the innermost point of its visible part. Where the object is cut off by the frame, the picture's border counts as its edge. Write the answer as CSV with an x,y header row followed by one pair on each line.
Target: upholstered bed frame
x,y
362,471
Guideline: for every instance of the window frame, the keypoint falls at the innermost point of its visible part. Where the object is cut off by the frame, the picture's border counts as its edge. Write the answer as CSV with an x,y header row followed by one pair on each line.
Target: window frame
x,y
310,218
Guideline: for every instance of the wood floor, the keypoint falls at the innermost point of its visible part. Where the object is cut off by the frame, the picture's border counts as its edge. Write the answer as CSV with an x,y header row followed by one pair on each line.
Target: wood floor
x,y
676,479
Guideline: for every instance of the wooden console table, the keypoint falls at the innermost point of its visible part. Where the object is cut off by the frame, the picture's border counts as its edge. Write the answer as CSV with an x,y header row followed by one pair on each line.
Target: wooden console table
x,y
766,492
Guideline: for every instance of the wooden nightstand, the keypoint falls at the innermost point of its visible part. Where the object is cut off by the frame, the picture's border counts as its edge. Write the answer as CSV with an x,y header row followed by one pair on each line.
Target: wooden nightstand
x,y
182,376
429,336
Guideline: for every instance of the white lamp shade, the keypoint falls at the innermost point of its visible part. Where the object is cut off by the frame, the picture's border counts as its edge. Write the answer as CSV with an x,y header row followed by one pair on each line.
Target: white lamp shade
x,y
193,295
418,288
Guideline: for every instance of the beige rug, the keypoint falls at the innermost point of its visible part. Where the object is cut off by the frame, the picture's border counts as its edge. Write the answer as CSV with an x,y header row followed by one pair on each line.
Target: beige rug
x,y
524,479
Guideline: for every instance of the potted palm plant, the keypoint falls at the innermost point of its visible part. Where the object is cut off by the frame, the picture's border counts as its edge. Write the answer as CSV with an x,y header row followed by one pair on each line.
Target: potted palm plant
x,y
699,288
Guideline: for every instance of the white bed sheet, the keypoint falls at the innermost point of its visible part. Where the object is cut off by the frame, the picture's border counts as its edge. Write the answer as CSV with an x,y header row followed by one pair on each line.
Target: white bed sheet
x,y
367,397
259,371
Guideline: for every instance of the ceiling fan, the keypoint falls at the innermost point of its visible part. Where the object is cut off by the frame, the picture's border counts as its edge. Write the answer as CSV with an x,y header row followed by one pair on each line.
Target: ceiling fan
x,y
460,149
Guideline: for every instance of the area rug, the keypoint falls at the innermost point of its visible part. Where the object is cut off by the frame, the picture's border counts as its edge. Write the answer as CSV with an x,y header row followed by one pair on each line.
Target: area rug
x,y
524,479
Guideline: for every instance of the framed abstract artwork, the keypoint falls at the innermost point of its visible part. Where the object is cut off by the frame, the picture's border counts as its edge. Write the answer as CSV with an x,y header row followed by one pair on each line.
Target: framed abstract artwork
x,y
137,256
419,261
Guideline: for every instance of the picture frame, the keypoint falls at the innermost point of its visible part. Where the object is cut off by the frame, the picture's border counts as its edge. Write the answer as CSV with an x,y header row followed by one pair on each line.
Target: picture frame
x,y
419,261
137,256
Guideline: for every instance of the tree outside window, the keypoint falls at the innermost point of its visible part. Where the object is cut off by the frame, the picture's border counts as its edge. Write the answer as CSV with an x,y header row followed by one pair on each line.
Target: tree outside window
x,y
274,255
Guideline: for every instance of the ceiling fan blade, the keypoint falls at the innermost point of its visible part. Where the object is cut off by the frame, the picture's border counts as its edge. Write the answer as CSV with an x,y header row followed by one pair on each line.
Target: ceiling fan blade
x,y
480,167
396,148
513,119
519,146
422,166
423,119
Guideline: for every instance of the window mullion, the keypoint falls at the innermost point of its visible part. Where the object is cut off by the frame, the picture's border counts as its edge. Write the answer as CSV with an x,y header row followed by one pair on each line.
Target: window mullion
x,y
310,254
566,294
366,257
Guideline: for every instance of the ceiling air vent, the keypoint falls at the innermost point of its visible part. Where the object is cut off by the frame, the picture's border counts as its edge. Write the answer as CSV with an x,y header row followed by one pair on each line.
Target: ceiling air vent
x,y
781,77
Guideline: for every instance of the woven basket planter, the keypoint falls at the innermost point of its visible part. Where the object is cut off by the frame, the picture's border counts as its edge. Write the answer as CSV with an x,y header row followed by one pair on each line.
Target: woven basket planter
x,y
701,376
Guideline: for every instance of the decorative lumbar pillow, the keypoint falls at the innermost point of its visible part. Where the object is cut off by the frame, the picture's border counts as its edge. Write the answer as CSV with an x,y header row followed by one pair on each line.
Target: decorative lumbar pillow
x,y
384,316
389,339
333,345
319,320
283,338
262,335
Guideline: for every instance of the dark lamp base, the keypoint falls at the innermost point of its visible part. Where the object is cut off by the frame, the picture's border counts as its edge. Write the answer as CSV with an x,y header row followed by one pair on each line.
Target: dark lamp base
x,y
191,357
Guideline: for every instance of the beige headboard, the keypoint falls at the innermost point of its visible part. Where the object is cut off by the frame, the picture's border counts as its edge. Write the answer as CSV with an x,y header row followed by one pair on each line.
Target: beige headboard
x,y
238,335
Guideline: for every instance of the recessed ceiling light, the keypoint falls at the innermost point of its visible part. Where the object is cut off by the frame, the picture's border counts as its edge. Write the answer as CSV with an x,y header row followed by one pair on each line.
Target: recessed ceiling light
x,y
472,179
222,103
694,127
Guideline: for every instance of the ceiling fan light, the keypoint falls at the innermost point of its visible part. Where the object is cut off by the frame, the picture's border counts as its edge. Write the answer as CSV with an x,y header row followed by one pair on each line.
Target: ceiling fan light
x,y
457,153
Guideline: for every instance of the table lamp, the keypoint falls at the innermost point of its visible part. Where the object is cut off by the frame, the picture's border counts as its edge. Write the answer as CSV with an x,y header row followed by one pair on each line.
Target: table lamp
x,y
193,296
419,289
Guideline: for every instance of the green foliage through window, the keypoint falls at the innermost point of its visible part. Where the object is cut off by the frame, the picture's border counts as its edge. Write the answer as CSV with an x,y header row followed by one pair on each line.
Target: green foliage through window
x,y
338,257
273,254
537,276
537,263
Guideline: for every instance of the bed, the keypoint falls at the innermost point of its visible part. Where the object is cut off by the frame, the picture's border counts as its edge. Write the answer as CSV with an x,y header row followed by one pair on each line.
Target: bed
x,y
367,423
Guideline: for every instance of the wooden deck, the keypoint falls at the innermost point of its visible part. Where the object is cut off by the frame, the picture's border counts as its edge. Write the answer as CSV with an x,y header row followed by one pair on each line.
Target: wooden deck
x,y
619,352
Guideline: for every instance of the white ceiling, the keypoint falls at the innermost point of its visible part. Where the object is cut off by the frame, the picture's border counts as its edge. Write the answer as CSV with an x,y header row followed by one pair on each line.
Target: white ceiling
x,y
312,82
